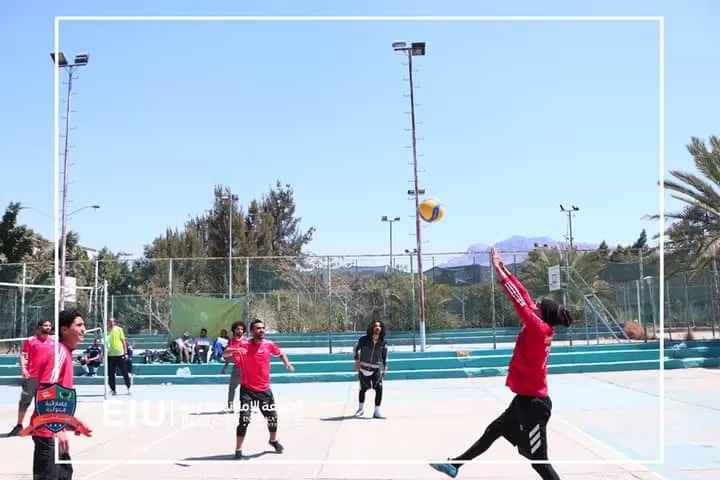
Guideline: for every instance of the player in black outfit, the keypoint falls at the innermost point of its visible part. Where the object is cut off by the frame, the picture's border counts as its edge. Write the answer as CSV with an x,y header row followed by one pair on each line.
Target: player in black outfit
x,y
370,352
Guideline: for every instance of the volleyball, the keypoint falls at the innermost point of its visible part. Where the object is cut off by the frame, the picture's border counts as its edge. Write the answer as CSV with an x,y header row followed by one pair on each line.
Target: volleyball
x,y
431,210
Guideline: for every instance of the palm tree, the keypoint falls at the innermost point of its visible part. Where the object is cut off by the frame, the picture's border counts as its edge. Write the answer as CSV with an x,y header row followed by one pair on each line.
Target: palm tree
x,y
695,235
585,264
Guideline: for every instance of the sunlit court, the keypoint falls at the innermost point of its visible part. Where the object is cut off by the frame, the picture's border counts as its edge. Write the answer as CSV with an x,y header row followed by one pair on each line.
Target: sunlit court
x,y
600,419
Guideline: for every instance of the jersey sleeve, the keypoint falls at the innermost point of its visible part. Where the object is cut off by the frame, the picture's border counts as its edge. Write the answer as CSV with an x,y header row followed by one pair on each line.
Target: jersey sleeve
x,y
275,350
519,297
26,346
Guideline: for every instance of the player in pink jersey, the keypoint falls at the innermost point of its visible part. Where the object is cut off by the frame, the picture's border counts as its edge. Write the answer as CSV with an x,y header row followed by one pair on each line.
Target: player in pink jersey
x,y
56,371
31,350
254,360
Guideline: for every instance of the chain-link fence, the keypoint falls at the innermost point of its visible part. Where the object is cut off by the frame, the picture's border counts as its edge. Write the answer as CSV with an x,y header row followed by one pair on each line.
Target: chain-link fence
x,y
27,295
334,294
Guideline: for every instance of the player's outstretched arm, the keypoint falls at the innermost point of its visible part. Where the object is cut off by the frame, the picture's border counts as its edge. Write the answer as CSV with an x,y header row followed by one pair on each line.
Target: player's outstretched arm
x,y
505,277
512,287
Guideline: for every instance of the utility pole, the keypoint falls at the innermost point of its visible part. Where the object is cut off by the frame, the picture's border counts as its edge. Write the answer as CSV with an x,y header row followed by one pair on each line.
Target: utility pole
x,y
411,50
569,212
410,254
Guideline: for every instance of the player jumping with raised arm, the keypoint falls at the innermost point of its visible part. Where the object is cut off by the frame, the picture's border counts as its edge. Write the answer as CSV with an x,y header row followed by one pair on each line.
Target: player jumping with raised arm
x,y
524,422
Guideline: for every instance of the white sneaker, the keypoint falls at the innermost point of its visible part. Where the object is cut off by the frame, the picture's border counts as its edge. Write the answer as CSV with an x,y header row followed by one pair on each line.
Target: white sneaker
x,y
377,413
360,412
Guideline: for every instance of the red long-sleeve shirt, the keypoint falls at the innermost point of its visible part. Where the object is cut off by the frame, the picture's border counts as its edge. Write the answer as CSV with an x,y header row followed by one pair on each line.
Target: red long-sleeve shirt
x,y
527,372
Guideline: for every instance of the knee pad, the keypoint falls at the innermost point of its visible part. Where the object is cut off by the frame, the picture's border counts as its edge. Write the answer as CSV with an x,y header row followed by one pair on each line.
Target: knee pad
x,y
272,421
241,429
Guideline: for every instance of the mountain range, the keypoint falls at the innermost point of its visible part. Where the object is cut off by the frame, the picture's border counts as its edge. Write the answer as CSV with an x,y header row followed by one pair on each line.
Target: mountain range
x,y
513,250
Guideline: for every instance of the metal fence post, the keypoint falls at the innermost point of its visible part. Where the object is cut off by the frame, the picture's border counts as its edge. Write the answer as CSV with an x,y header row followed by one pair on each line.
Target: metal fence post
x,y
329,293
492,301
247,294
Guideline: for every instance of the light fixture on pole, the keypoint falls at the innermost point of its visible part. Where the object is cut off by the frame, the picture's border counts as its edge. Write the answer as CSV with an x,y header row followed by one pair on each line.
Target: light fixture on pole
x,y
60,61
389,220
415,49
231,198
569,212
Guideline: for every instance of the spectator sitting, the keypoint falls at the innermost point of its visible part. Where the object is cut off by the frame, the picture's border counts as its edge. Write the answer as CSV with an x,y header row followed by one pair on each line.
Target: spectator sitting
x,y
182,348
220,345
92,358
202,346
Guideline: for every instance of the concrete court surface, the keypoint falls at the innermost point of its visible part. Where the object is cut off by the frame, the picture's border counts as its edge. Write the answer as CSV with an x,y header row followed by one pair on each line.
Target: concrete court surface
x,y
597,417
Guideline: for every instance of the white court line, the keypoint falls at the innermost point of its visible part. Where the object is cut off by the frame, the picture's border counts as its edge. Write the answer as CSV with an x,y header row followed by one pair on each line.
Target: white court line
x,y
142,449
626,460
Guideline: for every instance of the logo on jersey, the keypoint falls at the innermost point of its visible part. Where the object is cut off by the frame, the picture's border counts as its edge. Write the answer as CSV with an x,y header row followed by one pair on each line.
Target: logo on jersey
x,y
55,406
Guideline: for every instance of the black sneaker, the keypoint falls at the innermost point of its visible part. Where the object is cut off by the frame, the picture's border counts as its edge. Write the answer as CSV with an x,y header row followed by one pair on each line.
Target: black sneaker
x,y
15,431
238,455
277,446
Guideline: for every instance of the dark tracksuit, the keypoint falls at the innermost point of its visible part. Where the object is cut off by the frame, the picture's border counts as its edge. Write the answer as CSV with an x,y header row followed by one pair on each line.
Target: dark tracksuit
x,y
371,355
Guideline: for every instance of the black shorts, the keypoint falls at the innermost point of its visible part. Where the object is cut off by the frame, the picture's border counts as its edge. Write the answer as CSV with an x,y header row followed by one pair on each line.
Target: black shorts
x,y
264,401
524,425
369,382
27,393
44,466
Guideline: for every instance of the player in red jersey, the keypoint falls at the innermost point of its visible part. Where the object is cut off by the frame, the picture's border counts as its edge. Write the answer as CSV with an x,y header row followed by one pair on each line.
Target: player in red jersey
x,y
254,358
524,422
31,350
238,339
56,371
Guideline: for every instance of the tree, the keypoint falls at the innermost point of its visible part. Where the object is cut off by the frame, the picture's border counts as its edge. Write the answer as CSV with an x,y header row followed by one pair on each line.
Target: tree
x,y
194,260
683,236
699,233
585,268
17,243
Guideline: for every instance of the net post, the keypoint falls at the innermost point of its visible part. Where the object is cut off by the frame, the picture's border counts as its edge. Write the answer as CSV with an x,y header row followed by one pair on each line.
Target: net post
x,y
23,315
106,341
329,300
247,294
96,287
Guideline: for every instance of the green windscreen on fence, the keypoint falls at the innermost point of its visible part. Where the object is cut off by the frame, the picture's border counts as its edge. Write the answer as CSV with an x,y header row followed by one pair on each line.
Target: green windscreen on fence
x,y
191,313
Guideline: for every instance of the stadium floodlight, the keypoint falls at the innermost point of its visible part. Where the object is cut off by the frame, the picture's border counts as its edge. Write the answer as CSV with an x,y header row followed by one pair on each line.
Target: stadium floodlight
x,y
411,50
59,59
389,220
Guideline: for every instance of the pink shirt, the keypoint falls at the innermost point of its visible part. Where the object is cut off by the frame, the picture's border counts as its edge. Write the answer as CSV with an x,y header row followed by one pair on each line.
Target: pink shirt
x,y
255,365
33,349
235,343
48,374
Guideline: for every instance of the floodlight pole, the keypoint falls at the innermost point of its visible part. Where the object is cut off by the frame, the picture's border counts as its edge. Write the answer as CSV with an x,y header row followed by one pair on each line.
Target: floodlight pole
x,y
231,198
413,49
61,62
389,220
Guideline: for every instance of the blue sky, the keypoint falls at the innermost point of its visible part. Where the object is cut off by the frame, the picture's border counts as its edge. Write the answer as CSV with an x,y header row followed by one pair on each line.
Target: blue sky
x,y
516,118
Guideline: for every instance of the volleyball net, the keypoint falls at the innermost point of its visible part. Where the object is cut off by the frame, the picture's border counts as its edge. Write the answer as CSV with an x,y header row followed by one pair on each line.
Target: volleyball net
x,y
22,306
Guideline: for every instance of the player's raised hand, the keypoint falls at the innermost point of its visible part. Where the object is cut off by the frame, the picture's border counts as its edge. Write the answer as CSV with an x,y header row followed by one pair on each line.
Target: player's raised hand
x,y
495,258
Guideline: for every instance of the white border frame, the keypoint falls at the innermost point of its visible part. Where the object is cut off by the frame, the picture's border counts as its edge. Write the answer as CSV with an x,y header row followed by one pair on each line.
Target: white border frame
x,y
661,175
